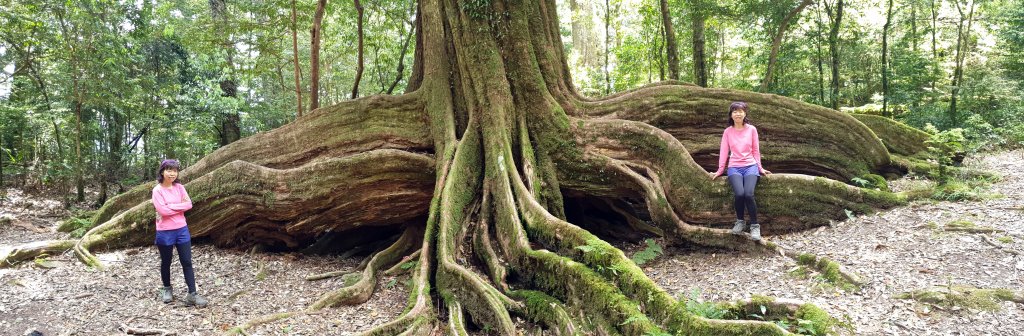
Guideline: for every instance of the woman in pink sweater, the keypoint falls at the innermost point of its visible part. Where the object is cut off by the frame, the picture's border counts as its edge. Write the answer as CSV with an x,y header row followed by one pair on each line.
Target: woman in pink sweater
x,y
741,149
171,201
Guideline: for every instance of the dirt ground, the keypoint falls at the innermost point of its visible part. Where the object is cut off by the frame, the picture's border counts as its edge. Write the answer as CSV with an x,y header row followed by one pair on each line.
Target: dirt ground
x,y
896,250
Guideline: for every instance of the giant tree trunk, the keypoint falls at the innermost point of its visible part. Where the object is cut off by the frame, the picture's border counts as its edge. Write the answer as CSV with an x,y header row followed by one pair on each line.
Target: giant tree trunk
x,y
474,170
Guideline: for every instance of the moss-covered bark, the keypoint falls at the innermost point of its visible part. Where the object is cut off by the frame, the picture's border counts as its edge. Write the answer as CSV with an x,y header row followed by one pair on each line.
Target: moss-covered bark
x,y
472,166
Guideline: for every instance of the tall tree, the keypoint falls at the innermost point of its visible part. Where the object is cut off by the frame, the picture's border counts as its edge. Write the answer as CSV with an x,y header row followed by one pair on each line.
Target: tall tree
x,y
314,63
963,35
359,58
885,61
607,46
697,20
777,41
228,129
583,34
670,41
295,58
835,16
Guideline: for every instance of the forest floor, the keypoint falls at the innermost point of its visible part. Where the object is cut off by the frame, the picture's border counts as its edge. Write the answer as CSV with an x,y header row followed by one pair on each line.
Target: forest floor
x,y
896,250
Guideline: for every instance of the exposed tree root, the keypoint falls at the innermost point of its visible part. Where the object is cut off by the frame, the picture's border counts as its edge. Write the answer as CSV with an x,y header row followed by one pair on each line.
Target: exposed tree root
x,y
33,250
400,267
832,271
964,296
360,291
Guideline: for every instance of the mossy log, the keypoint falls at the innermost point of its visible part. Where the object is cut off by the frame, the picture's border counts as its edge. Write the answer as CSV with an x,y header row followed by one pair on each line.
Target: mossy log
x,y
472,166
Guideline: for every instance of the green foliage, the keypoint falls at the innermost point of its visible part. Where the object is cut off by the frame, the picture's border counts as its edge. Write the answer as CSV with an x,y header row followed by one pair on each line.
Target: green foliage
x,y
698,307
652,251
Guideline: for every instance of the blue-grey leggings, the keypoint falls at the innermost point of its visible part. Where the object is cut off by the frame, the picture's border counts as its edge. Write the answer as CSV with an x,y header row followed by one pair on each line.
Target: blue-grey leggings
x,y
743,189
184,256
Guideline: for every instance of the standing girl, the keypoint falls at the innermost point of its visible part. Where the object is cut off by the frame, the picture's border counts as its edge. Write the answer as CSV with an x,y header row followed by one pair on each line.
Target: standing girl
x,y
742,150
171,202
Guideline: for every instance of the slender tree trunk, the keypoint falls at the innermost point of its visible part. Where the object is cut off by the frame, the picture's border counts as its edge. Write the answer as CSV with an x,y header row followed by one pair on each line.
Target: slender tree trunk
x,y
913,26
962,36
298,70
934,28
777,42
660,49
836,20
607,44
228,128
359,63
700,70
885,61
670,41
400,71
79,181
820,59
314,63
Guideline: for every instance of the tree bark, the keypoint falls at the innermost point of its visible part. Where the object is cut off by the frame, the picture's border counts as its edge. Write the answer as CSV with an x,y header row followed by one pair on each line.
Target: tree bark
x,y
314,63
359,62
670,41
298,70
885,61
478,166
697,19
777,42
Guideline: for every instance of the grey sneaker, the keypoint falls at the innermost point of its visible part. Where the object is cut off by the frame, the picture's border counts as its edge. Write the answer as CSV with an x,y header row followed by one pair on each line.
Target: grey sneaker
x,y
739,227
193,299
755,232
166,294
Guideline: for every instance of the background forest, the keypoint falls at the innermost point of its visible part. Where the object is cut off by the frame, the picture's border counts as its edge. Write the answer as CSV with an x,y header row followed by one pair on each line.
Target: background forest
x,y
93,93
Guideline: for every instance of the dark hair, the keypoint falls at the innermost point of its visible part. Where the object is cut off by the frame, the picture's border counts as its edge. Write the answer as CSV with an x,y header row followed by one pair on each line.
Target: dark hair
x,y
165,165
737,106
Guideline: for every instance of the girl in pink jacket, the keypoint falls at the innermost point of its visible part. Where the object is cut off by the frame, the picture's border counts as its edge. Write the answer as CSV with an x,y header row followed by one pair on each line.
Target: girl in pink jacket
x,y
171,201
741,149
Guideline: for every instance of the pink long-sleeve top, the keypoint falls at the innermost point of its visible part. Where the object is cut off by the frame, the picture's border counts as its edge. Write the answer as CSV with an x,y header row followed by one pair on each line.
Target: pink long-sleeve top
x,y
740,148
171,204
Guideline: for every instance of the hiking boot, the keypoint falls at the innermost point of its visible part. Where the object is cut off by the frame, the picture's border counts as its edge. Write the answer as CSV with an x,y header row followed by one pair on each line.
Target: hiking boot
x,y
193,299
739,227
166,294
755,232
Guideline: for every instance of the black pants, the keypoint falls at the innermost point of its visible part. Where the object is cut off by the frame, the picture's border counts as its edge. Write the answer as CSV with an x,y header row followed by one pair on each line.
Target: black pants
x,y
184,256
743,189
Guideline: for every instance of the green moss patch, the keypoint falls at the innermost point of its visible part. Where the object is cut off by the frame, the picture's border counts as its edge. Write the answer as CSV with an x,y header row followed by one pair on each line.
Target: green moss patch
x,y
956,296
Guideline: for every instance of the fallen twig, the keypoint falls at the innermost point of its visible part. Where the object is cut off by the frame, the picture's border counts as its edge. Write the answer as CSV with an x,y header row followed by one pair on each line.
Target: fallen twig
x,y
139,331
998,246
